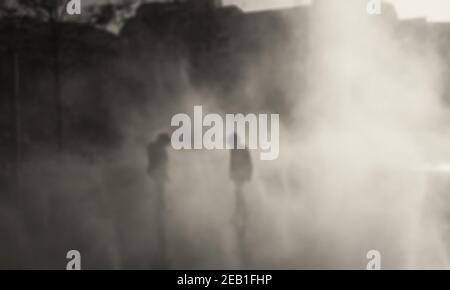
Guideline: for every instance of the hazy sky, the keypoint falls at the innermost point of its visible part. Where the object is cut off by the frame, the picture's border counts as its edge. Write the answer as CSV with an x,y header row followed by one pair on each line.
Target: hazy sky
x,y
436,10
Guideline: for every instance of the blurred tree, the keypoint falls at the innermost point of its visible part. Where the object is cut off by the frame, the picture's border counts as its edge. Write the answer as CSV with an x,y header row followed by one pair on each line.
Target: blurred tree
x,y
111,16
10,12
104,14
8,8
51,10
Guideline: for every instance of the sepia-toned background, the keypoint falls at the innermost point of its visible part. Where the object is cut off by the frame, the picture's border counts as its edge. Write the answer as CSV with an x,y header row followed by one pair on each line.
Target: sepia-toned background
x,y
365,145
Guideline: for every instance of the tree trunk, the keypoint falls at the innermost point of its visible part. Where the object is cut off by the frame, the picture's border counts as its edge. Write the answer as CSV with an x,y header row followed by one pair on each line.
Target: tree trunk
x,y
57,85
17,123
16,111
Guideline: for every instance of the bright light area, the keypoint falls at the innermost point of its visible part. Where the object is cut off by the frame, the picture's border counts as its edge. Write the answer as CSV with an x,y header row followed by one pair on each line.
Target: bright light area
x,y
433,10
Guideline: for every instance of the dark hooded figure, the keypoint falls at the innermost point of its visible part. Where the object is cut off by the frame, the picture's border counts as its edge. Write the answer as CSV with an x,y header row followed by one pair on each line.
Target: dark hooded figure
x,y
158,170
241,168
158,159
241,171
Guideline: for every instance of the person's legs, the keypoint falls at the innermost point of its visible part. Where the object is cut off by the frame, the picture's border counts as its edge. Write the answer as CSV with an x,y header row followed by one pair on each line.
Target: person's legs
x,y
241,208
241,216
161,226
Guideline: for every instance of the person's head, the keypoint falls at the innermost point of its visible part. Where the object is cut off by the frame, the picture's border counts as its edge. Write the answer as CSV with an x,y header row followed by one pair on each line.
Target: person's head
x,y
164,139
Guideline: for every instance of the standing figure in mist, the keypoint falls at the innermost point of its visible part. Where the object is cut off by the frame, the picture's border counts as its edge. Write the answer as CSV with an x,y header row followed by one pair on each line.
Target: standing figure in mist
x,y
158,170
241,170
